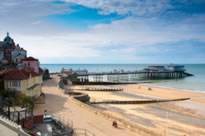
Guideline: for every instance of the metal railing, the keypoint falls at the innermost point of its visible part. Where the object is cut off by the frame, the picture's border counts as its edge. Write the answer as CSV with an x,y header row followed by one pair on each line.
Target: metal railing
x,y
82,132
15,115
66,122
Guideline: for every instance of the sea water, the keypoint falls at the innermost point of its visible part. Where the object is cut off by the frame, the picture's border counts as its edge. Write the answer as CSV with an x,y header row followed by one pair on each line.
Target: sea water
x,y
194,83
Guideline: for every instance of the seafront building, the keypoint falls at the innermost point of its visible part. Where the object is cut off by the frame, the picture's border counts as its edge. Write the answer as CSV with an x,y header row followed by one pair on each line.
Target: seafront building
x,y
17,71
30,64
22,75
11,52
18,54
22,81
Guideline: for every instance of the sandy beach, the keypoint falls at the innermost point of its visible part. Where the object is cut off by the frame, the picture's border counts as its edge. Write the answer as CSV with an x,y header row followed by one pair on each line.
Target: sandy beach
x,y
166,92
170,118
174,118
61,105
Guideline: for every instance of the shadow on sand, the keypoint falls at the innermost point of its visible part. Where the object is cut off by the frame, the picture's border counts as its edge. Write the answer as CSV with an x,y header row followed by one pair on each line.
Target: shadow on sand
x,y
53,104
50,83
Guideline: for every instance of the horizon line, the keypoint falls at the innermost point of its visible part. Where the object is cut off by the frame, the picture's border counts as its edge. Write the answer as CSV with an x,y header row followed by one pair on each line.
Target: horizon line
x,y
120,63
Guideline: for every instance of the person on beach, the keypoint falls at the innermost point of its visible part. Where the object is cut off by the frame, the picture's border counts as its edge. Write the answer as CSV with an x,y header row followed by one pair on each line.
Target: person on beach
x,y
149,89
114,124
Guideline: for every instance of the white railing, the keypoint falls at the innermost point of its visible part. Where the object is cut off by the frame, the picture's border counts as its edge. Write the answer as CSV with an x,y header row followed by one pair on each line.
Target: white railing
x,y
66,122
12,126
82,132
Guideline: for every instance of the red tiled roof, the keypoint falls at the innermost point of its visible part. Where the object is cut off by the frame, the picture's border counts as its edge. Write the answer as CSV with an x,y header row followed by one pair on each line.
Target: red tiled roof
x,y
4,72
16,74
28,73
30,59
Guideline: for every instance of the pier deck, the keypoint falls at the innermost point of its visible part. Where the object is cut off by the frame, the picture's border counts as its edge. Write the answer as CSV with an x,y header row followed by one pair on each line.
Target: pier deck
x,y
131,72
123,76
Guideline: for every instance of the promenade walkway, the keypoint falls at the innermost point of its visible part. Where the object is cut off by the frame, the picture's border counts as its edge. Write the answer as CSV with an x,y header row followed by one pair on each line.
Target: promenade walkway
x,y
59,104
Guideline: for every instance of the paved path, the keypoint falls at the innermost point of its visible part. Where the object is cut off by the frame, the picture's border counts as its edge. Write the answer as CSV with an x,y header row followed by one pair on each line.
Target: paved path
x,y
59,104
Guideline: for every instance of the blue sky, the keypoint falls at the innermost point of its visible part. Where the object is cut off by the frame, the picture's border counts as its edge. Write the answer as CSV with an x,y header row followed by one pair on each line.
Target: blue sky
x,y
82,17
107,31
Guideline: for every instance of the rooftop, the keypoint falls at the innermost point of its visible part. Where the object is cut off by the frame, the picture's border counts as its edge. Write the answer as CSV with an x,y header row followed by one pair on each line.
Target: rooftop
x,y
16,74
30,59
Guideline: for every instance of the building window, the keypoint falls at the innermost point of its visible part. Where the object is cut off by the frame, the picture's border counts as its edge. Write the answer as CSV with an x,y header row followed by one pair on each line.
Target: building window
x,y
16,83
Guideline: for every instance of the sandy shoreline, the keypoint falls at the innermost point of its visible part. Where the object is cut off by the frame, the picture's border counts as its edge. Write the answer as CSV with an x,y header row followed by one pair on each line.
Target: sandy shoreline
x,y
184,117
174,118
173,88
165,92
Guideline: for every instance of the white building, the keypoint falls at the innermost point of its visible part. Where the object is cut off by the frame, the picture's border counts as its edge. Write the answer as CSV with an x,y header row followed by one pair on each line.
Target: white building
x,y
1,55
18,54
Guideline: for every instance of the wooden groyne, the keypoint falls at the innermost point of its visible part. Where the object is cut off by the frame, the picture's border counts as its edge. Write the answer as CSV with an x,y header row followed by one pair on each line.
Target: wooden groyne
x,y
87,82
100,89
140,101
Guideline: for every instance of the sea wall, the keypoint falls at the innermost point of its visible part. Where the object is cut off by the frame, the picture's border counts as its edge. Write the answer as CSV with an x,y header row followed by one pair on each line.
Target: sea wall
x,y
83,97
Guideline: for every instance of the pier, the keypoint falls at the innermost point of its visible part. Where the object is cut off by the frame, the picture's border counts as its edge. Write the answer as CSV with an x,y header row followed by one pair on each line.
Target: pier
x,y
150,73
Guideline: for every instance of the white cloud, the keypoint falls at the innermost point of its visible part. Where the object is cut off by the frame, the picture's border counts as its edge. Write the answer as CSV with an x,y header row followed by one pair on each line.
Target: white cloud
x,y
55,47
19,15
134,7
118,41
